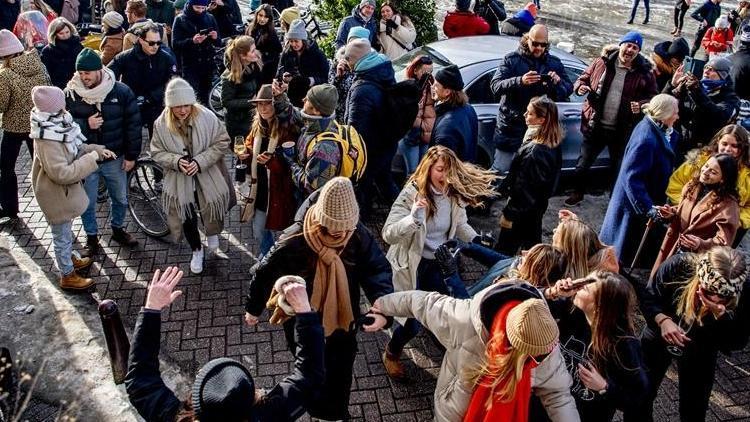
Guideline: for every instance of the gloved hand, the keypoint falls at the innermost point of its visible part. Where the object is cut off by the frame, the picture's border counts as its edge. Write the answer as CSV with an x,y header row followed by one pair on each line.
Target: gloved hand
x,y
288,154
654,215
391,24
446,261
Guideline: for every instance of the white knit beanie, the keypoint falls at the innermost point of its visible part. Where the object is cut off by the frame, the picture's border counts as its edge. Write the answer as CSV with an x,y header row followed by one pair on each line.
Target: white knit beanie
x,y
297,30
112,20
179,93
336,208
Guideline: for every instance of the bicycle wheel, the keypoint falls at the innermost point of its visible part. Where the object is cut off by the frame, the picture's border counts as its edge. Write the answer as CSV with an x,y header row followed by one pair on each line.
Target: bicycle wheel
x,y
214,101
144,198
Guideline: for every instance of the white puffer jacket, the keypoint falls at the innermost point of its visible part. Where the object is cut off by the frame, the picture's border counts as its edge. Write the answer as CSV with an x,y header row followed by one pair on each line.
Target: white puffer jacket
x,y
461,327
405,34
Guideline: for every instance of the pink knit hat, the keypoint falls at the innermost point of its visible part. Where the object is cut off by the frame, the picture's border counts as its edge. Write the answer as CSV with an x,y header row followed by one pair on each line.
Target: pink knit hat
x,y
48,99
9,44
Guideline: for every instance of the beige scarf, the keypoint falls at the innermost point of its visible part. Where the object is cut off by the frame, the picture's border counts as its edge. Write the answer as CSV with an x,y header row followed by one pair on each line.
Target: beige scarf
x,y
330,295
178,192
96,95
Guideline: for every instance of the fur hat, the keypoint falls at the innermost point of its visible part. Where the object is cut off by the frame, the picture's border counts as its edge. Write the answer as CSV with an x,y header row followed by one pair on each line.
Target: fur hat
x,y
634,37
48,99
336,208
297,30
223,390
450,77
112,20
9,43
88,60
531,328
324,98
179,93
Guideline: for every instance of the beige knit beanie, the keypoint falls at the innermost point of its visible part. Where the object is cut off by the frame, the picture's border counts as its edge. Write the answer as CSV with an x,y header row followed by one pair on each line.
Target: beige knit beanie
x,y
531,328
179,93
336,208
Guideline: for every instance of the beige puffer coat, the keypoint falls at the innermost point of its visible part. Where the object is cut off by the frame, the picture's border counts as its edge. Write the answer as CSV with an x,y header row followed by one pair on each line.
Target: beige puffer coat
x,y
458,325
405,33
406,237
56,177
16,80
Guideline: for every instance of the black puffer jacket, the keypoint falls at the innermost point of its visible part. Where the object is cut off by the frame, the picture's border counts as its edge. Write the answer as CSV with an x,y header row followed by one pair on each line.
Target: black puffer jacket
x,y
121,130
286,401
531,181
267,42
60,60
740,72
366,265
235,98
133,64
515,96
312,63
191,55
227,17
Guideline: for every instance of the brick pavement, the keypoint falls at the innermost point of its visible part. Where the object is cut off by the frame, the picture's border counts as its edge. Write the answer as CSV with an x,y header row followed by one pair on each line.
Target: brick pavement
x,y
206,322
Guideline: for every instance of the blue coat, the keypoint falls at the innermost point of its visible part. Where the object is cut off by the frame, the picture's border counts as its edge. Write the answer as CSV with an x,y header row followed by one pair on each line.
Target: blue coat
x,y
456,128
641,183
356,19
365,106
515,96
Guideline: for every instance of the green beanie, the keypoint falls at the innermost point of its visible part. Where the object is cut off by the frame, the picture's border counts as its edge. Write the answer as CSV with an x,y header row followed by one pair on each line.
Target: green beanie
x,y
88,60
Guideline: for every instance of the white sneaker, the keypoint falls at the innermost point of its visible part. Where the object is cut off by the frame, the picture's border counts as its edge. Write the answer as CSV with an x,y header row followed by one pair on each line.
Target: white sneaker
x,y
196,263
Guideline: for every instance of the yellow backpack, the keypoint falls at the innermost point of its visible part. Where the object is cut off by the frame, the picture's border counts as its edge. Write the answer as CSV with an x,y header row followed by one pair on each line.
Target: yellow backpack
x,y
351,146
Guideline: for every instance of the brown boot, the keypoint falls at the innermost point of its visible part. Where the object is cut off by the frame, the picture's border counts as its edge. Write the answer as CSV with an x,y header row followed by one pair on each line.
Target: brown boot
x,y
393,366
81,263
92,246
124,238
73,281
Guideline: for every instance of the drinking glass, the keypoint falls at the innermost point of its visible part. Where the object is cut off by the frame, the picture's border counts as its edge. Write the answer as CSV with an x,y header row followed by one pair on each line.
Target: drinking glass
x,y
239,149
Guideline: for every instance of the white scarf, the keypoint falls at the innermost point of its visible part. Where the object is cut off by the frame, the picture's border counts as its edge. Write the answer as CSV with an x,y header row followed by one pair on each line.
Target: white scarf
x,y
96,95
56,127
257,141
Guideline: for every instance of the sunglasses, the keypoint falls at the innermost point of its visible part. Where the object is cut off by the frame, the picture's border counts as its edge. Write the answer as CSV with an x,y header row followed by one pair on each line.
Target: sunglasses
x,y
152,43
539,44
425,60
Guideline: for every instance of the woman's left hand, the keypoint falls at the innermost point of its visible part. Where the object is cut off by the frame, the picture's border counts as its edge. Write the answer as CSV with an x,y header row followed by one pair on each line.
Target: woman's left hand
x,y
690,241
591,378
264,157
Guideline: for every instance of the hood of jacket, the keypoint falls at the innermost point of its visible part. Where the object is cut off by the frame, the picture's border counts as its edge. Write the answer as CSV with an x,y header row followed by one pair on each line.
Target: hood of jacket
x,y
372,59
493,298
27,64
358,16
380,72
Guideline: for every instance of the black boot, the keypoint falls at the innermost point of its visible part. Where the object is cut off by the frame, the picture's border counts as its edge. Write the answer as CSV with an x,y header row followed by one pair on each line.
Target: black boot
x,y
122,237
92,247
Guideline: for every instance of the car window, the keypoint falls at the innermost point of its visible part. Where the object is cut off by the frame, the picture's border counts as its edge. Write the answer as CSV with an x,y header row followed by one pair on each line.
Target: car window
x,y
400,64
479,91
573,74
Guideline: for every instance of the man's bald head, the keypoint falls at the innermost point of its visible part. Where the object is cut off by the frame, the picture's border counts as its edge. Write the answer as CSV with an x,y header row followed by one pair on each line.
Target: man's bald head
x,y
538,40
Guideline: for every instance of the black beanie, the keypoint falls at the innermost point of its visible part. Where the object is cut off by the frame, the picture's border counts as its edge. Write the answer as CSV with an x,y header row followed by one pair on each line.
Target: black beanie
x,y
450,77
463,5
223,391
678,49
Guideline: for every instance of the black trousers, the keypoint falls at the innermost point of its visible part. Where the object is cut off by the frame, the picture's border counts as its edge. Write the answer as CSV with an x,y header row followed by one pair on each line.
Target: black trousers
x,y
340,351
525,233
201,80
695,369
10,148
697,42
591,147
190,230
679,15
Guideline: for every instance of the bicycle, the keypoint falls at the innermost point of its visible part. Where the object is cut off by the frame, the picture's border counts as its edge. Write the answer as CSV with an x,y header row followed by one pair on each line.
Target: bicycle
x,y
144,197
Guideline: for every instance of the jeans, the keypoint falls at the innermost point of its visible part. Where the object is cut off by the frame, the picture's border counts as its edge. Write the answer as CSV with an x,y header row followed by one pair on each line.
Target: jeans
x,y
117,185
500,269
62,240
412,155
501,162
591,147
265,237
679,15
635,9
429,279
10,148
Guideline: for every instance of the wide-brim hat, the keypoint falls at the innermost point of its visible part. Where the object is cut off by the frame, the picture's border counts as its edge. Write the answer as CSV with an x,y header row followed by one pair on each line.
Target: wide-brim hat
x,y
265,93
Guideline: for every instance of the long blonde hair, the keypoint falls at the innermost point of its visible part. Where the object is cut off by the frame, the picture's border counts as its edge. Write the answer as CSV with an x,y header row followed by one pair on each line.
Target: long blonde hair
x,y
237,48
175,125
580,244
466,182
542,266
728,262
499,368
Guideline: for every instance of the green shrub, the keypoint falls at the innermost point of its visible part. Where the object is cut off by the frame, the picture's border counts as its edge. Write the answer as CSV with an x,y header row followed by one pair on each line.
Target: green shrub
x,y
421,13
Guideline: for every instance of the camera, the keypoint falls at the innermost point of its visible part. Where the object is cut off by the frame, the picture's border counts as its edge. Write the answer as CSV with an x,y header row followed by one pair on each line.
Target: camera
x,y
545,78
204,31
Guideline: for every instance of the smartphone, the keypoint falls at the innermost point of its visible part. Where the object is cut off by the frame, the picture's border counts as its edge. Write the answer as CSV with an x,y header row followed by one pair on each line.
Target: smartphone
x,y
581,282
545,78
204,31
694,66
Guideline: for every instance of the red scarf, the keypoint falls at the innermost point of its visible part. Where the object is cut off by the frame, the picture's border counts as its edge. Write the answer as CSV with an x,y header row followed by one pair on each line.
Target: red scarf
x,y
514,410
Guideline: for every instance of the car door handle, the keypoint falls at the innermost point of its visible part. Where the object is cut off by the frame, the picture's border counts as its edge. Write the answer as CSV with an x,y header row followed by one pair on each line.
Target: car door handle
x,y
572,114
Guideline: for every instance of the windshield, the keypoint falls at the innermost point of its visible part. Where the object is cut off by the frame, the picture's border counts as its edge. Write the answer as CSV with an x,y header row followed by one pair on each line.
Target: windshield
x,y
438,61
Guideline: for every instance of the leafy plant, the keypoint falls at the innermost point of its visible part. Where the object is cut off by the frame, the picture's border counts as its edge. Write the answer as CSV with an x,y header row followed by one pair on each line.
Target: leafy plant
x,y
421,13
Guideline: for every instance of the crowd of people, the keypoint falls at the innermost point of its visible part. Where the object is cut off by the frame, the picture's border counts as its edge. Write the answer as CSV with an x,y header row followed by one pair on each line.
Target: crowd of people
x,y
547,333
